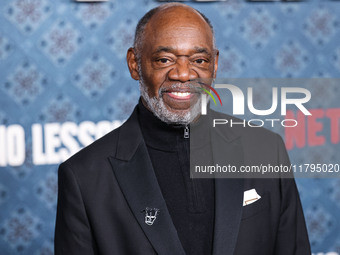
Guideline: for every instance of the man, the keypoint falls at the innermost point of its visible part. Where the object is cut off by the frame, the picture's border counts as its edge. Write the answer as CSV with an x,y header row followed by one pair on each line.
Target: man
x,y
130,192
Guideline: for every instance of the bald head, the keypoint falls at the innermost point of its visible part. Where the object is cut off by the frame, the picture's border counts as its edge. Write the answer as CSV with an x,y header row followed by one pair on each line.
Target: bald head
x,y
175,13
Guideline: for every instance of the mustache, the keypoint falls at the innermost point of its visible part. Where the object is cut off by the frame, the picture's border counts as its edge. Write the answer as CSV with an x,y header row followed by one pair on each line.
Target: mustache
x,y
186,87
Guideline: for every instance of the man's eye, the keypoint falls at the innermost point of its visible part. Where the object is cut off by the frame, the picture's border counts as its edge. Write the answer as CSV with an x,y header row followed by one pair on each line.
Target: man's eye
x,y
200,61
163,60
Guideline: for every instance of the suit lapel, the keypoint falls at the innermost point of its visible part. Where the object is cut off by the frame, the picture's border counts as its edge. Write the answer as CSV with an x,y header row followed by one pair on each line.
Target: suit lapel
x,y
135,175
133,170
227,149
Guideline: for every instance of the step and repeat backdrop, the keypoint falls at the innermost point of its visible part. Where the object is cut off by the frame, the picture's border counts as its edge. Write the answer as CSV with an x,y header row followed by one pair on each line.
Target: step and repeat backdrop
x,y
64,82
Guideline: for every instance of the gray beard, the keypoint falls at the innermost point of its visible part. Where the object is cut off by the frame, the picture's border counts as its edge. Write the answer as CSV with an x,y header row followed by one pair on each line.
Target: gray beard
x,y
157,106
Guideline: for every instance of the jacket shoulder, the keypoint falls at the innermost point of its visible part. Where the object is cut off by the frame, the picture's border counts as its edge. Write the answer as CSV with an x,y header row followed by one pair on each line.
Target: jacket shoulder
x,y
259,145
99,149
96,156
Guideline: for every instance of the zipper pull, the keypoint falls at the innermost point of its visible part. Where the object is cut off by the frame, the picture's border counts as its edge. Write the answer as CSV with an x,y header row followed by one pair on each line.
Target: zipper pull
x,y
186,132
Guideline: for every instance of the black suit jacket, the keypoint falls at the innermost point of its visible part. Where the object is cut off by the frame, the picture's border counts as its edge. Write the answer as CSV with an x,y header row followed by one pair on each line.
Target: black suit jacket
x,y
104,189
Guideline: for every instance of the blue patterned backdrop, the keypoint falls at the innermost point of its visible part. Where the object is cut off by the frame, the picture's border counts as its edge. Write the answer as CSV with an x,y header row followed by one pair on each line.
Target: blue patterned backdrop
x,y
64,82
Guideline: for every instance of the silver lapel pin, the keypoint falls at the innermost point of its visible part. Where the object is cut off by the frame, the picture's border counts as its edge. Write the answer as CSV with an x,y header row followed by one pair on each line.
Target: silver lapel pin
x,y
150,215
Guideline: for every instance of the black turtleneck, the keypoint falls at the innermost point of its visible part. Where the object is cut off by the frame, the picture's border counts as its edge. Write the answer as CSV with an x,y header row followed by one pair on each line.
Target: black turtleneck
x,y
189,201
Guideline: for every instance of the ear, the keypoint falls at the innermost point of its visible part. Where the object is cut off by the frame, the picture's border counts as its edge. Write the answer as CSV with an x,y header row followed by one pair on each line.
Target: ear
x,y
131,59
216,63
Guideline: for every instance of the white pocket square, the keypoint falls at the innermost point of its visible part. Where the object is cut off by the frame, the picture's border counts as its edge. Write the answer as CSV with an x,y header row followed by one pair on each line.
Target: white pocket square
x,y
250,196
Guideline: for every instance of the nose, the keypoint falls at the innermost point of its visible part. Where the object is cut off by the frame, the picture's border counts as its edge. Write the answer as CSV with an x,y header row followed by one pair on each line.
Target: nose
x,y
182,71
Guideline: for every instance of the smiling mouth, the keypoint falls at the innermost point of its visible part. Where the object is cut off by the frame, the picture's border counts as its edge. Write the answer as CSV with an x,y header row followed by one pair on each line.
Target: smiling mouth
x,y
180,95
180,92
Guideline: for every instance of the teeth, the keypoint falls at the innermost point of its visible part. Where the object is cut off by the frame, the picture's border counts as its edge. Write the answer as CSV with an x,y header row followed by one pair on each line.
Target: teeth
x,y
181,94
